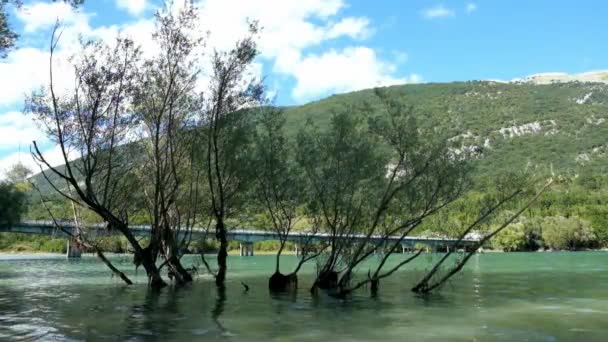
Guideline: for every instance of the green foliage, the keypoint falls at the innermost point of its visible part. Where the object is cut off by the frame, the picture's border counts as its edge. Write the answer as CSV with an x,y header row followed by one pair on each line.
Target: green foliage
x,y
12,203
18,173
114,244
343,164
471,113
519,237
567,233
31,243
512,239
54,246
474,112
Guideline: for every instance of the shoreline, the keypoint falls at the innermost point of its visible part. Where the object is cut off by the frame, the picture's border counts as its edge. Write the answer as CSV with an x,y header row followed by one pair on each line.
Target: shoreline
x,y
236,252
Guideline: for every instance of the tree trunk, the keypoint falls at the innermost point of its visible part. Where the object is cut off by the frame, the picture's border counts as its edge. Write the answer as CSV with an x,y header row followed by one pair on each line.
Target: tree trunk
x,y
155,281
326,280
279,282
222,254
176,264
374,285
142,256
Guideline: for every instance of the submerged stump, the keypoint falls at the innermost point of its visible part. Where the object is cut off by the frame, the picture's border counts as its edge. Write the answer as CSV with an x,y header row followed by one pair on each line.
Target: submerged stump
x,y
279,282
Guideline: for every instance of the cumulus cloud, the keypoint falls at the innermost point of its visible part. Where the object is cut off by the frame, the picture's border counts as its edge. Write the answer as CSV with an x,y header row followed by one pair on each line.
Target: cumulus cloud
x,y
338,71
18,129
438,11
290,29
52,155
357,28
287,24
135,7
41,15
26,69
471,7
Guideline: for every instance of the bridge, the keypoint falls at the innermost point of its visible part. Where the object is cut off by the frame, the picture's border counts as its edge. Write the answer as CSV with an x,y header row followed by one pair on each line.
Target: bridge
x,y
244,236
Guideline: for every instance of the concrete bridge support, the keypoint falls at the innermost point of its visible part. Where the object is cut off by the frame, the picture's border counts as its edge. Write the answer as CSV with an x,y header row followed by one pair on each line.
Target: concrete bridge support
x,y
73,249
299,250
406,249
246,248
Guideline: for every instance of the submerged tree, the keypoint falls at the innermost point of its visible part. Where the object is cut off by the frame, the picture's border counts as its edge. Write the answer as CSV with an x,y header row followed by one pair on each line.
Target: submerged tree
x,y
92,122
279,190
372,184
509,189
343,169
165,102
226,121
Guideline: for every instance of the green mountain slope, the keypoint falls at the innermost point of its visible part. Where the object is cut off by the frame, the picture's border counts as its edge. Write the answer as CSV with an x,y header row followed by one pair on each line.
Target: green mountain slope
x,y
563,126
559,127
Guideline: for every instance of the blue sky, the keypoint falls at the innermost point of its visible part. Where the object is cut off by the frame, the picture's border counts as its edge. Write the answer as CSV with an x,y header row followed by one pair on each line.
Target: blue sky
x,y
314,48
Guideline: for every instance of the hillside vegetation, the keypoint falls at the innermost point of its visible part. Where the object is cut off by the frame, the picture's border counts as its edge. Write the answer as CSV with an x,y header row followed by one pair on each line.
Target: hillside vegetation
x,y
511,125
559,129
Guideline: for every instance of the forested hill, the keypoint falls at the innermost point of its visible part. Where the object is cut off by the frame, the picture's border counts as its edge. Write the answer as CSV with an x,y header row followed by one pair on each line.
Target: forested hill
x,y
563,126
560,127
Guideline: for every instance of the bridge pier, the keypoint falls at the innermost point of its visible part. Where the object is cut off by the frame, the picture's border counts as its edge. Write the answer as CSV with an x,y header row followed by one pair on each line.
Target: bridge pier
x,y
246,248
73,249
405,249
297,249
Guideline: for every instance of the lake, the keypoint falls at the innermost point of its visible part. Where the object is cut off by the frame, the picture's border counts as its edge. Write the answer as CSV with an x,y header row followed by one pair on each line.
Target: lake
x,y
498,297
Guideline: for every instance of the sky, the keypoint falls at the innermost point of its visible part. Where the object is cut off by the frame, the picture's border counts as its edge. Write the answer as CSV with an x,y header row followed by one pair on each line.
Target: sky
x,y
310,49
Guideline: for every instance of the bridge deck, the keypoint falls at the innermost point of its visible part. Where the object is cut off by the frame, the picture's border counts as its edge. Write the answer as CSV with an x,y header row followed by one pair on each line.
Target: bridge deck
x,y
241,235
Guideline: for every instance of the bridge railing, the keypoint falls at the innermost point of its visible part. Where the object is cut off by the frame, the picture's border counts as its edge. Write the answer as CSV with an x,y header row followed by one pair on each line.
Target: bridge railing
x,y
238,234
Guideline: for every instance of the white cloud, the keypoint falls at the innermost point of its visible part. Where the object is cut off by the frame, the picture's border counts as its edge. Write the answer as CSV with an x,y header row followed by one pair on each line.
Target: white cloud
x,y
52,155
471,7
357,28
135,7
338,71
17,132
287,24
290,27
140,31
42,15
27,69
438,11
17,129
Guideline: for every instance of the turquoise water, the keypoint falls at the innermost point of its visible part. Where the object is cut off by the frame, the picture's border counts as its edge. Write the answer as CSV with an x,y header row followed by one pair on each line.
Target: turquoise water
x,y
498,297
